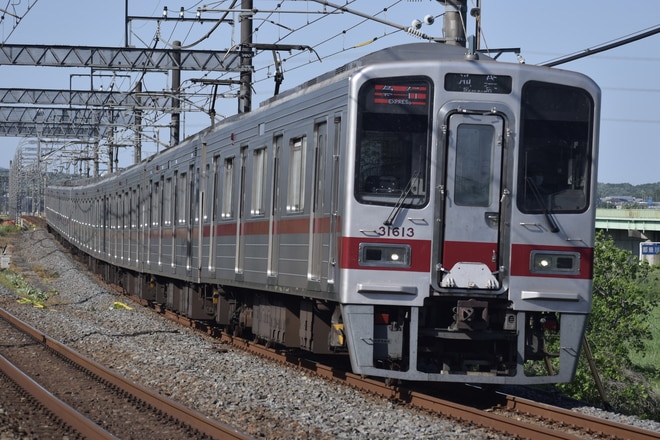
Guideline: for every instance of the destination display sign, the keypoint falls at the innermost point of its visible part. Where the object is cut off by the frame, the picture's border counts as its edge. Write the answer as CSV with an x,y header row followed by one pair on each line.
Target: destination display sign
x,y
400,94
477,83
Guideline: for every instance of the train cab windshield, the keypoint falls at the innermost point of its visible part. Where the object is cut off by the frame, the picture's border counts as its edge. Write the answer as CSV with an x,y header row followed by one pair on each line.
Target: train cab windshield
x,y
555,148
393,142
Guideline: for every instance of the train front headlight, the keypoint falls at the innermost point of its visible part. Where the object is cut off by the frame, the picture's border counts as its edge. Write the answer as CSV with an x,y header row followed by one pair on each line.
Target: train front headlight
x,y
567,263
384,255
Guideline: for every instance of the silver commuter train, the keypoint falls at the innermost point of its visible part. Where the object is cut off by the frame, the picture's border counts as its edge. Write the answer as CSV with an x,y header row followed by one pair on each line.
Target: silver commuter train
x,y
427,211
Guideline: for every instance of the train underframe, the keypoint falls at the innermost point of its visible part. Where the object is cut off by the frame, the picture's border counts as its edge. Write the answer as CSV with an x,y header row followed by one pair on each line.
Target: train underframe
x,y
455,340
473,340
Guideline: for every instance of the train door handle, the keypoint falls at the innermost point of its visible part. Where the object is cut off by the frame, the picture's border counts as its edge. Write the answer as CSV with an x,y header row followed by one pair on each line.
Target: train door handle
x,y
492,219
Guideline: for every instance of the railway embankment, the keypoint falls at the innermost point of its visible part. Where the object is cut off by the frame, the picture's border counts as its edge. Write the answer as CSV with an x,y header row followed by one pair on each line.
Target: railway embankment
x,y
255,395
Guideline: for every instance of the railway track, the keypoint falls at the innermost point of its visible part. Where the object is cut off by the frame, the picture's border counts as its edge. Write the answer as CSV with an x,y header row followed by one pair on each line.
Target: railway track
x,y
82,397
23,416
510,415
514,416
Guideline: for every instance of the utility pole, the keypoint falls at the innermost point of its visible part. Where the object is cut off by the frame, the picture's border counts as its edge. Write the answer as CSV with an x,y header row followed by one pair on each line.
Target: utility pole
x,y
137,151
111,153
97,160
245,95
476,13
176,89
38,178
454,22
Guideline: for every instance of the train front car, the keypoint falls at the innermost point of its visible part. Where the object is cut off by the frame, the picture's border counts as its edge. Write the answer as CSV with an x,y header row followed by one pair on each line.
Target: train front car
x,y
469,219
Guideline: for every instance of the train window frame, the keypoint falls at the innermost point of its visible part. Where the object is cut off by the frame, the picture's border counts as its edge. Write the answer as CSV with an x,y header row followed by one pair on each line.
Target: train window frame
x,y
194,195
125,207
259,164
278,142
181,207
228,188
474,165
117,207
154,212
135,207
394,124
215,190
206,193
556,148
167,202
295,199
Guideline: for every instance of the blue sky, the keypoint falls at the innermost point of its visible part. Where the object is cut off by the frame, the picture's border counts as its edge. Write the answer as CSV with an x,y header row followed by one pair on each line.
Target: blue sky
x,y
543,30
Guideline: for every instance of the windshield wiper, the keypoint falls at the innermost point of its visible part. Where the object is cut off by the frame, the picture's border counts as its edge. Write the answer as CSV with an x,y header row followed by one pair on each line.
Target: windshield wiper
x,y
554,227
399,203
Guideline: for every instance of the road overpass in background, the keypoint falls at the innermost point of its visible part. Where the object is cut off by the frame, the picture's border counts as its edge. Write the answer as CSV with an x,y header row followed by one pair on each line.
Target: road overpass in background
x,y
631,227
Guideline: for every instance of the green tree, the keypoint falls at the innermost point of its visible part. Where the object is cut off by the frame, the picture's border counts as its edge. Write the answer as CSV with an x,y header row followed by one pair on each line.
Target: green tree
x,y
618,326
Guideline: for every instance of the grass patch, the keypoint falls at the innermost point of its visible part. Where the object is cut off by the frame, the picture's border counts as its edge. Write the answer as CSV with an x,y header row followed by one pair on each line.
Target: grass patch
x,y
648,362
43,273
14,281
28,294
8,228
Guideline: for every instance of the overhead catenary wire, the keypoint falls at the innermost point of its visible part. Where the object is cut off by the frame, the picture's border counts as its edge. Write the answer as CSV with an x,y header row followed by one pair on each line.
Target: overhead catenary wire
x,y
604,47
341,33
354,36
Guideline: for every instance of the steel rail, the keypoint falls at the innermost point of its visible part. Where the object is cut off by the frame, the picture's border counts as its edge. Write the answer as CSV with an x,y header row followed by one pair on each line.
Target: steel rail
x,y
454,410
485,419
194,419
465,413
68,415
594,424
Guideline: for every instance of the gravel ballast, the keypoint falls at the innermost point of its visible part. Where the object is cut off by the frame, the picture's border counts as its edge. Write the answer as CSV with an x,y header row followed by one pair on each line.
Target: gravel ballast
x,y
258,397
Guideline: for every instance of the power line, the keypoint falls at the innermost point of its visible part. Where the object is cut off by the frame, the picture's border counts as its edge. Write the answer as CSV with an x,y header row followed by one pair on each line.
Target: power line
x,y
602,48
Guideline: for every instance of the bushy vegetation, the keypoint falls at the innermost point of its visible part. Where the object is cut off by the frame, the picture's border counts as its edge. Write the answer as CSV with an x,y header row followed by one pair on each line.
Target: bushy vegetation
x,y
620,328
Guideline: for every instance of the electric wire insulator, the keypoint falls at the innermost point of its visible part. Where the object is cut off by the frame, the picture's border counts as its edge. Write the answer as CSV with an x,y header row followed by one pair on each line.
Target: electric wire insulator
x,y
417,33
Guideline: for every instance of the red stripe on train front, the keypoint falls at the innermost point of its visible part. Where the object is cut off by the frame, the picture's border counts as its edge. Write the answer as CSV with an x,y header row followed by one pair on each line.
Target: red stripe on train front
x,y
469,251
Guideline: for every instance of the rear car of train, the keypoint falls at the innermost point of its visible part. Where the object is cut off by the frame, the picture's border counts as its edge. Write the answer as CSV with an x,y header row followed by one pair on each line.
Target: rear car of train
x,y
468,223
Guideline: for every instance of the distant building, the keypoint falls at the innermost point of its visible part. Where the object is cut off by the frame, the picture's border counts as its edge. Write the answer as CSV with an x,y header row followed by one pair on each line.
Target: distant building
x,y
628,202
4,191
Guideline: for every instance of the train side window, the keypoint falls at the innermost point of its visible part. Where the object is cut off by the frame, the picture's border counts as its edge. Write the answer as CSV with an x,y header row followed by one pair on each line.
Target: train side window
x,y
228,189
277,150
125,208
258,182
555,148
174,198
194,195
132,208
207,180
153,213
135,208
126,217
117,211
214,193
167,203
296,193
181,199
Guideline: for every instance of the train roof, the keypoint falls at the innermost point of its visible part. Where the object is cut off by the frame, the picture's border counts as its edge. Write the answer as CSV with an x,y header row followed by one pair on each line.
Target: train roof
x,y
412,52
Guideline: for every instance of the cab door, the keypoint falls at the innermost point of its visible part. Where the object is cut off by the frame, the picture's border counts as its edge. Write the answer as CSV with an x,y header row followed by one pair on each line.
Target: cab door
x,y
470,233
